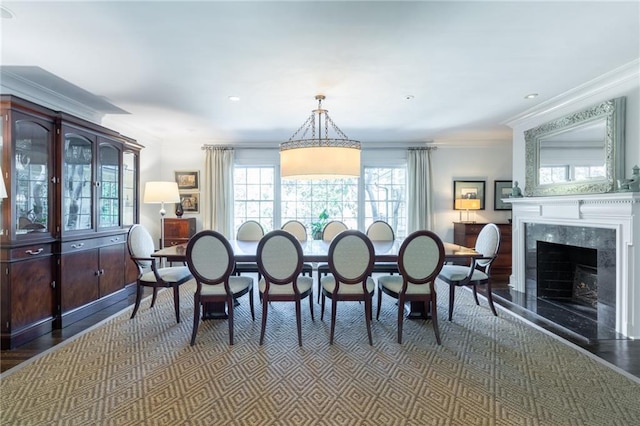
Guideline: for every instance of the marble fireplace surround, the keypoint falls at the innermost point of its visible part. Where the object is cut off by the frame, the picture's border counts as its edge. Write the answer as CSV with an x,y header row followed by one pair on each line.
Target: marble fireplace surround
x,y
617,211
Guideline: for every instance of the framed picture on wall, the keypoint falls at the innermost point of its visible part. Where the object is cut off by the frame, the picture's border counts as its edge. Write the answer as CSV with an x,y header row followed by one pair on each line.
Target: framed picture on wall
x,y
188,180
502,189
190,202
469,189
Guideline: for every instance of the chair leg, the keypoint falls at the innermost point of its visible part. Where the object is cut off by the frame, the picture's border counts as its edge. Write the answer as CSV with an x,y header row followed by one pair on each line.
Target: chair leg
x,y
434,318
176,301
475,293
138,299
311,306
490,299
155,295
299,322
334,306
230,301
452,295
379,303
253,317
265,305
368,314
400,318
322,307
196,319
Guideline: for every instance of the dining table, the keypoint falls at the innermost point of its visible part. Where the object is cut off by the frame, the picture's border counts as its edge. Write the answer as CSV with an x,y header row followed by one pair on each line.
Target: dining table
x,y
318,251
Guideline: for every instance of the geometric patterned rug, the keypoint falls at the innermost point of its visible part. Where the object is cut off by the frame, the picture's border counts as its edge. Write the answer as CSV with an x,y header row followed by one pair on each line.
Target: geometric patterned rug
x,y
489,371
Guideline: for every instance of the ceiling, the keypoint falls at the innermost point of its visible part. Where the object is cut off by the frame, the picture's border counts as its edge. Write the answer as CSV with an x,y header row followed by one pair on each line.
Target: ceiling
x,y
392,72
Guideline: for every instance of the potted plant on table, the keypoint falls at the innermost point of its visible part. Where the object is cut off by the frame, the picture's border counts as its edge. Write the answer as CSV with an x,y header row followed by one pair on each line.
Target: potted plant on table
x,y
318,226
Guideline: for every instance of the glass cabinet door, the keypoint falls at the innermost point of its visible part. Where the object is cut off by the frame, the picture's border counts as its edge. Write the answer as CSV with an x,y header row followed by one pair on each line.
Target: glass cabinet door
x,y
32,173
108,186
129,187
77,183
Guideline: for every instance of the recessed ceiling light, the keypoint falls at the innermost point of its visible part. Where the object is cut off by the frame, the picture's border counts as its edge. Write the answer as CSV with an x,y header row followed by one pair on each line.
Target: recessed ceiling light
x,y
409,97
234,98
531,96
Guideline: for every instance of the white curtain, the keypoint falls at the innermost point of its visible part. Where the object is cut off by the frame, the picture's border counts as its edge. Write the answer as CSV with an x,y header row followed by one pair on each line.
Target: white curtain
x,y
218,187
419,201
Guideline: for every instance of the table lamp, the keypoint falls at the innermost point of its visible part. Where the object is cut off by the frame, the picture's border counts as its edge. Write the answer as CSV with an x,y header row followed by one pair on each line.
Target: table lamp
x,y
160,193
467,204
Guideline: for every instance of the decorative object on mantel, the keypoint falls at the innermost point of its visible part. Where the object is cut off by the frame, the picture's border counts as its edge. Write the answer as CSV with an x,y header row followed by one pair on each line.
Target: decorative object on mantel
x,y
516,192
632,184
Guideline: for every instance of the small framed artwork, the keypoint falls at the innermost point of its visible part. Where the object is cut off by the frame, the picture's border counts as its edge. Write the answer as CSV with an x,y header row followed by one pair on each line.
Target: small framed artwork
x,y
190,202
469,189
502,190
188,180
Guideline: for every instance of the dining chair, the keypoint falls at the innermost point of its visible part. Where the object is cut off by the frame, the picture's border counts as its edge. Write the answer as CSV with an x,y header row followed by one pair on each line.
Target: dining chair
x,y
478,272
279,257
420,260
330,230
381,231
210,260
298,229
150,274
250,230
351,257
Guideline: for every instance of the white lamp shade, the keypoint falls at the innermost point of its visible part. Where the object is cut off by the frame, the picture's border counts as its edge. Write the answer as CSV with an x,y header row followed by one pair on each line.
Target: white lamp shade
x,y
320,162
467,204
161,192
3,189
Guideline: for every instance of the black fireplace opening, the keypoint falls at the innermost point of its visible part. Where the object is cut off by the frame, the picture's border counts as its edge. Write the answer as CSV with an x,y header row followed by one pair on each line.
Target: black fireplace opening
x,y
568,275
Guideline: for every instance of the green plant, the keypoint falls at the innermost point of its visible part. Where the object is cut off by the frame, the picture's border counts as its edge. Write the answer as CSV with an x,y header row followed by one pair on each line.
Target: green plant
x,y
318,226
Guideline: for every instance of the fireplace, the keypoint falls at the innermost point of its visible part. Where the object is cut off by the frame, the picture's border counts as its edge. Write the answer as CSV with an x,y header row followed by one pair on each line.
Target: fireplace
x,y
567,274
599,277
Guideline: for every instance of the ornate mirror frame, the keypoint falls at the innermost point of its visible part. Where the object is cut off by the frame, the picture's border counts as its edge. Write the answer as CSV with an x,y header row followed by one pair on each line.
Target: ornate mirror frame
x,y
612,114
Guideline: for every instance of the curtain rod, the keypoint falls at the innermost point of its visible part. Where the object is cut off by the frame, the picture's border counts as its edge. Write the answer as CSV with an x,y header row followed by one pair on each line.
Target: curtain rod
x,y
220,147
422,148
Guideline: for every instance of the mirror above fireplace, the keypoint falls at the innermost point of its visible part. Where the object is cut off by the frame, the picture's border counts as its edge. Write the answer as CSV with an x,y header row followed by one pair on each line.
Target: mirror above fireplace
x,y
580,153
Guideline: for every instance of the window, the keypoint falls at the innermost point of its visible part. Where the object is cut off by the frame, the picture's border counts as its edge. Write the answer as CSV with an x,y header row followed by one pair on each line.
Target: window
x,y
379,195
385,189
305,200
254,196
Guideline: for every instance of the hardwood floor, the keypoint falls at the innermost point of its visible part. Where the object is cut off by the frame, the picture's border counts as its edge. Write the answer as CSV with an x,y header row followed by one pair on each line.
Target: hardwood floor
x,y
623,353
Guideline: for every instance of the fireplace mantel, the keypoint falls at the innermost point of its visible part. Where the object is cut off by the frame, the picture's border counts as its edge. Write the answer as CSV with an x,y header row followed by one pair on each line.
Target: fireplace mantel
x,y
619,211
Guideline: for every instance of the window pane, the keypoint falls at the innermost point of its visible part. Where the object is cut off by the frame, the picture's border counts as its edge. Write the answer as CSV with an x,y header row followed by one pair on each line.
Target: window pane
x,y
385,190
254,196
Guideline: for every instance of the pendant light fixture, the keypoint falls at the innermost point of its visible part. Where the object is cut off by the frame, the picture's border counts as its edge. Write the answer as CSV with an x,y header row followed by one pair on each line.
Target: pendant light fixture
x,y
319,156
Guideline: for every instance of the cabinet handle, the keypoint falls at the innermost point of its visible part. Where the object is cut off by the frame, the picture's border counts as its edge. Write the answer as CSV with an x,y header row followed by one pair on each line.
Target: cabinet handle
x,y
33,253
96,273
53,284
79,245
113,240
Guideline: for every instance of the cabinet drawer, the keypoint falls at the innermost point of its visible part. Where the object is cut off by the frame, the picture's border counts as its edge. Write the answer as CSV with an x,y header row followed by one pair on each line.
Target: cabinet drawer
x,y
29,252
175,241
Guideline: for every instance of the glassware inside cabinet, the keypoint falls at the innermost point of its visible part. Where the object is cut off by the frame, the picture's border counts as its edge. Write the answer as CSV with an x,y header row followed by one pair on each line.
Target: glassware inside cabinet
x,y
77,189
109,189
129,188
32,161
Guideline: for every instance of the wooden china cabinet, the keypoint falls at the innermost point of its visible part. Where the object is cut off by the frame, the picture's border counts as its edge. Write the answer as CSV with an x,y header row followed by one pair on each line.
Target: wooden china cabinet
x,y
72,196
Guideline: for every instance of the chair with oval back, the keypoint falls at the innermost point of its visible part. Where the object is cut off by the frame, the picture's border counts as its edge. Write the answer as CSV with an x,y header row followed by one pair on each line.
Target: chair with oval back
x,y
250,230
298,229
140,245
381,231
280,261
351,257
420,260
330,230
478,273
210,260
